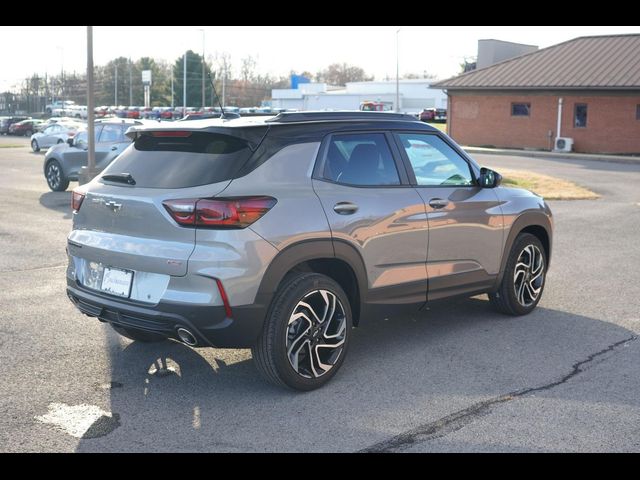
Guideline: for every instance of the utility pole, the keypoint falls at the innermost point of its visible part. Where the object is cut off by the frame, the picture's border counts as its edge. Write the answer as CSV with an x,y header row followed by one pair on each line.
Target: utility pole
x,y
115,93
224,82
61,72
397,70
87,173
184,85
130,85
172,75
203,64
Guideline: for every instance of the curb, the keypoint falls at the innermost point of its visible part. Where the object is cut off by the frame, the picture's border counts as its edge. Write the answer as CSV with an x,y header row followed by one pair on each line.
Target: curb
x,y
554,155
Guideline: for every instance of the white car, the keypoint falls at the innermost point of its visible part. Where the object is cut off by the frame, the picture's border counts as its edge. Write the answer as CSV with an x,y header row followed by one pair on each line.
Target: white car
x,y
77,111
54,134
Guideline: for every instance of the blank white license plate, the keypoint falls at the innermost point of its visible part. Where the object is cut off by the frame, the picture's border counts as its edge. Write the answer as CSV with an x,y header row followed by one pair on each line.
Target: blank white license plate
x,y
116,281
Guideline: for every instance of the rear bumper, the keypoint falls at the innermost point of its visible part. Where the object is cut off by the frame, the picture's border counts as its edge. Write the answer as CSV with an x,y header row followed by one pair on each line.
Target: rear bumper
x,y
209,324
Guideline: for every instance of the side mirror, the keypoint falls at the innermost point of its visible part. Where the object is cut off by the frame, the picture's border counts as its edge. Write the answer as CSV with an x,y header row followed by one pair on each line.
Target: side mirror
x,y
489,178
70,141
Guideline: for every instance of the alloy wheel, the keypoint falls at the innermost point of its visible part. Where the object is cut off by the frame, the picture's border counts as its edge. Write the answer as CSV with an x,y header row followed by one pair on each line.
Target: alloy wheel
x,y
53,175
528,275
316,333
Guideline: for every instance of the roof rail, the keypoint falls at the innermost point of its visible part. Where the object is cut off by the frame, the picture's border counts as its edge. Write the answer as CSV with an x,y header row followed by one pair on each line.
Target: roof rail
x,y
310,116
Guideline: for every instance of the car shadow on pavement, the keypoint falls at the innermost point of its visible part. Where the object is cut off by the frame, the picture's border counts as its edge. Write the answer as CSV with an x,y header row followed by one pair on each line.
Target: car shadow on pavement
x,y
398,373
58,201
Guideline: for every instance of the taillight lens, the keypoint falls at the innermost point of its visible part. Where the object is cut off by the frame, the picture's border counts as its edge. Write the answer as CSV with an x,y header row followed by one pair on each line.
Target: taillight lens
x,y
76,200
237,212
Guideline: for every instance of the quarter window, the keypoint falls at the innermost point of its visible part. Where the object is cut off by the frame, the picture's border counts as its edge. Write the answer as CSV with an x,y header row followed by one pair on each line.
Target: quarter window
x,y
111,134
520,109
580,115
360,159
434,162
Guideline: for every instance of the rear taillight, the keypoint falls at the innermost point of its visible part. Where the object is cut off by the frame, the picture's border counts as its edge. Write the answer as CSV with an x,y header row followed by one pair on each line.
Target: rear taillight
x,y
237,212
76,200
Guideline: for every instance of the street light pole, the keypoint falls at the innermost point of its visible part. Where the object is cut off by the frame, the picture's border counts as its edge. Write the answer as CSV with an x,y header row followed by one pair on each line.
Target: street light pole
x,y
203,63
115,93
184,85
87,173
397,70
61,72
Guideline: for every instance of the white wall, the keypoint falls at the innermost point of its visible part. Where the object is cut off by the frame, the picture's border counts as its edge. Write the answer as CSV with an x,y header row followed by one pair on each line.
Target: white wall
x,y
414,96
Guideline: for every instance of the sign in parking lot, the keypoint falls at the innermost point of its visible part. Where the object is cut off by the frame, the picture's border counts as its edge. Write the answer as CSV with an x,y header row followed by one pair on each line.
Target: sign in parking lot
x,y
146,77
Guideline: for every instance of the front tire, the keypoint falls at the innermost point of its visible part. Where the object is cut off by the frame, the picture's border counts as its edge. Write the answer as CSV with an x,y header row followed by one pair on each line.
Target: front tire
x,y
524,277
138,335
306,333
34,145
55,177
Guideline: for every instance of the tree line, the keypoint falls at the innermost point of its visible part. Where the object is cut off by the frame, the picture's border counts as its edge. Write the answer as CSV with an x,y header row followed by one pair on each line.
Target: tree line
x,y
119,82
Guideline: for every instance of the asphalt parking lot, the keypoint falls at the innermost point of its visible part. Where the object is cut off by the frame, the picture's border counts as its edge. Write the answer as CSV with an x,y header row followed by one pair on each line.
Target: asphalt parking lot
x,y
458,377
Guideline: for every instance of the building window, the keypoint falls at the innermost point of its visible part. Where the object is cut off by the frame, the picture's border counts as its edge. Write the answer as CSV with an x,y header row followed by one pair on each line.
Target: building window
x,y
580,115
637,112
520,109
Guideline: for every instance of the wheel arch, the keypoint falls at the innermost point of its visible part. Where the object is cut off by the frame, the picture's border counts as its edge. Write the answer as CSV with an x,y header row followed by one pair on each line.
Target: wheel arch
x,y
536,223
337,260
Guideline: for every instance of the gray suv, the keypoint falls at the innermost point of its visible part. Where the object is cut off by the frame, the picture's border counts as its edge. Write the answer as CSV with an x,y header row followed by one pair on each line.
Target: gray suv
x,y
62,162
281,234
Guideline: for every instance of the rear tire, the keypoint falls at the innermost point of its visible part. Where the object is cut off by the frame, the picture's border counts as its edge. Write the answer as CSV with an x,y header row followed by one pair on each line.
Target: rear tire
x,y
138,335
524,277
306,333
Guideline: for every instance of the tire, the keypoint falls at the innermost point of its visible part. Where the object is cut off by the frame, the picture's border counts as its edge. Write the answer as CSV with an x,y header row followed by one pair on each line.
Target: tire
x,y
304,367
55,177
28,133
34,145
138,335
524,277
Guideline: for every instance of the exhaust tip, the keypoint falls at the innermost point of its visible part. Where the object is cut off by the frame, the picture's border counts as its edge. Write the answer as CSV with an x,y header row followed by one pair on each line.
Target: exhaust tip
x,y
187,337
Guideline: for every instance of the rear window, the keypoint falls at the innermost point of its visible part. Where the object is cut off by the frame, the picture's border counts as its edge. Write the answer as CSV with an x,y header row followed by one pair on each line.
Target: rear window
x,y
198,158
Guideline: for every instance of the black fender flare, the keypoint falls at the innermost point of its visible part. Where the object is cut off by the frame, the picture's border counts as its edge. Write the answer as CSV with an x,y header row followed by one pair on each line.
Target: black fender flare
x,y
526,219
304,251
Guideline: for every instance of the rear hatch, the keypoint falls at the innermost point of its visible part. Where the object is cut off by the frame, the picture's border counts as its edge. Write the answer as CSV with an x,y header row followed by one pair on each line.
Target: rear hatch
x,y
122,221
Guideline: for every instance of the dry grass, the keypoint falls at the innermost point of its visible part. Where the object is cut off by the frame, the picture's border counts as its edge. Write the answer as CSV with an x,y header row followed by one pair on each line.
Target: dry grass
x,y
551,188
11,145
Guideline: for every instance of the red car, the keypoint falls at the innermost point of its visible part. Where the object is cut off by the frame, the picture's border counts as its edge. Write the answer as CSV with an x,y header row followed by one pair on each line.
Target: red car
x,y
25,127
433,115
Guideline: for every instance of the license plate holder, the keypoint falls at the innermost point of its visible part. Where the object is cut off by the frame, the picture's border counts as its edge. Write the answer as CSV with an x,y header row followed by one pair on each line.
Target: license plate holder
x,y
116,281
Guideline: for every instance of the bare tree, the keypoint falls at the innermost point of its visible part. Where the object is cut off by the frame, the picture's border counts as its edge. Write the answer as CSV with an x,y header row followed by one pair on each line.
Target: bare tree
x,y
341,73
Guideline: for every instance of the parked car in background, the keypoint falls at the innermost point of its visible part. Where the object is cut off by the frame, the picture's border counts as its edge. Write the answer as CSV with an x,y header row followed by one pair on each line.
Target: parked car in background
x,y
58,105
25,127
166,113
78,111
53,120
433,115
62,162
6,122
54,134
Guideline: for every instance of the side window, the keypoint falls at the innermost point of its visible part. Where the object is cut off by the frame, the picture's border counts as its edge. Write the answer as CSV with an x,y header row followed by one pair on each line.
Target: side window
x,y
97,129
48,130
580,115
81,140
111,134
360,159
434,162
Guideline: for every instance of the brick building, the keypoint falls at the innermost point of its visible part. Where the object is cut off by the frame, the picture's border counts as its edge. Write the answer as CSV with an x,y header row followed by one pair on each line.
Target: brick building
x,y
516,103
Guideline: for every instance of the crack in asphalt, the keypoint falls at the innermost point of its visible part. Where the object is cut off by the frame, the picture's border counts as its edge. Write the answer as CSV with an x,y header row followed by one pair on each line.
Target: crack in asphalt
x,y
462,418
46,267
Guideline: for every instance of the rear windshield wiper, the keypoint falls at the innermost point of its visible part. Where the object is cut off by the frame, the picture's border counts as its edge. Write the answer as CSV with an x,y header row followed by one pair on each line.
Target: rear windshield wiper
x,y
119,177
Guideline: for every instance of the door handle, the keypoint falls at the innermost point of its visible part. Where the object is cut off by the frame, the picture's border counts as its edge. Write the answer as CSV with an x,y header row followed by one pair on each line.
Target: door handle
x,y
345,208
438,203
115,147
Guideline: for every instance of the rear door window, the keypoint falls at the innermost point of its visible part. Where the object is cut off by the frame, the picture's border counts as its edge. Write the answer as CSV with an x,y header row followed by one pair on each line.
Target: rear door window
x,y
181,160
362,159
